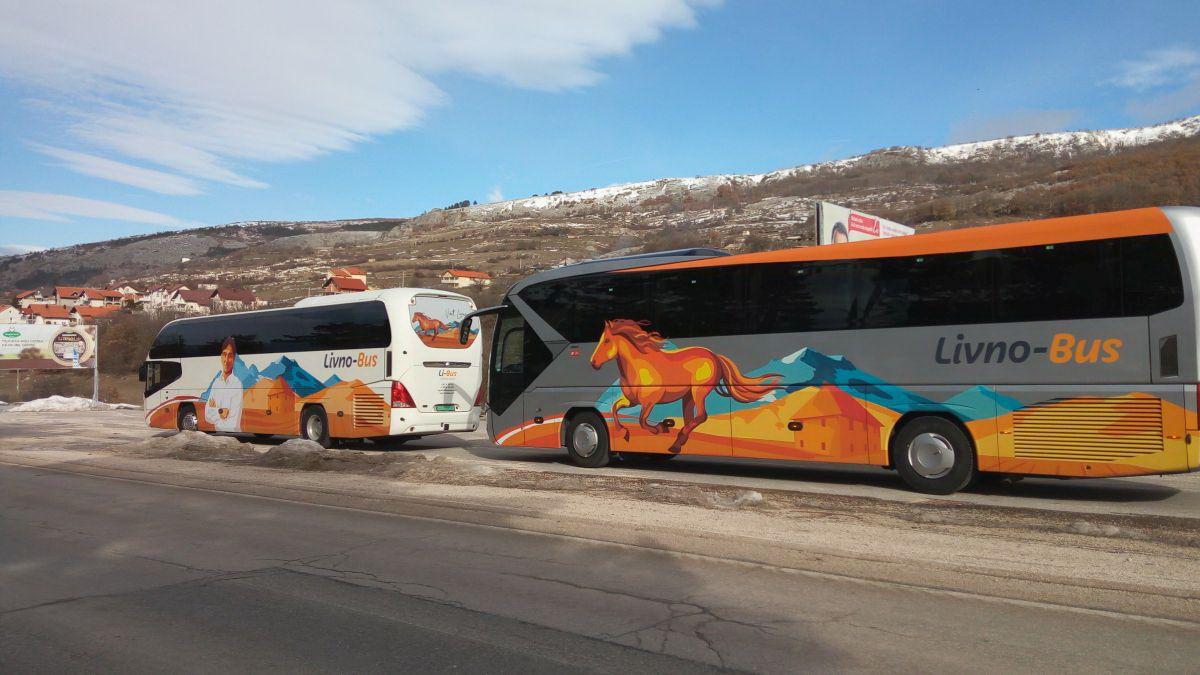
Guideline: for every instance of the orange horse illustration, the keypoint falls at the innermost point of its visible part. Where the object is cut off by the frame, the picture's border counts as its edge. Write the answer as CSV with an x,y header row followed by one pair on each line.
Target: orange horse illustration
x,y
651,375
428,325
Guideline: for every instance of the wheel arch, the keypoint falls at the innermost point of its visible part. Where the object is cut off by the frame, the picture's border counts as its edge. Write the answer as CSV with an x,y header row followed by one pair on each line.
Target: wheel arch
x,y
571,412
911,415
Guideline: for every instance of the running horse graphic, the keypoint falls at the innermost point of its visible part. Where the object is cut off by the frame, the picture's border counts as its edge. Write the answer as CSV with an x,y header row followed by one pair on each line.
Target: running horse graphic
x,y
651,375
428,325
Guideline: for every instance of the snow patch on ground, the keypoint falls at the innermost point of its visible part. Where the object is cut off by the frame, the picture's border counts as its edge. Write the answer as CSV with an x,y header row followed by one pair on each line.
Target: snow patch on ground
x,y
68,404
194,446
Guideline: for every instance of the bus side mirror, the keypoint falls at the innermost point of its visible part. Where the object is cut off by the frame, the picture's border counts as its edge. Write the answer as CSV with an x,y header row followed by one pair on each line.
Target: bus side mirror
x,y
464,330
142,372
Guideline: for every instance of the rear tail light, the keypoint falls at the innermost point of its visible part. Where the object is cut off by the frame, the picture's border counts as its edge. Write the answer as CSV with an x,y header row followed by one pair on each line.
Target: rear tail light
x,y
400,396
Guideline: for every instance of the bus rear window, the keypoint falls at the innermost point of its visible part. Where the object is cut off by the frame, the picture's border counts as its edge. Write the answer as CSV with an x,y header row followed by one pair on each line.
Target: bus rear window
x,y
436,320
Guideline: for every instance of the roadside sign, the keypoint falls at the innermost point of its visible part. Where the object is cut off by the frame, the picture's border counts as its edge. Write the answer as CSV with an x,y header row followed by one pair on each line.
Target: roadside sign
x,y
838,225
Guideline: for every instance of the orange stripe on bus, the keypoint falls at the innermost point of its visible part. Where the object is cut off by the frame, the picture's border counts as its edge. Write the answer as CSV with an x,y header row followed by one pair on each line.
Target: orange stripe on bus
x,y
1129,223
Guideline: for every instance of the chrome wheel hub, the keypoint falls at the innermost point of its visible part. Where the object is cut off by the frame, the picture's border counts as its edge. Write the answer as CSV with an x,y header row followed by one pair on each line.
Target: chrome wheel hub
x,y
190,421
931,455
313,428
585,440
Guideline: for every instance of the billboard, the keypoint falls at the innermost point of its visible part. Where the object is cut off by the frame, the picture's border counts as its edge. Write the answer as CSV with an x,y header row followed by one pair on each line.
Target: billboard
x,y
46,347
838,225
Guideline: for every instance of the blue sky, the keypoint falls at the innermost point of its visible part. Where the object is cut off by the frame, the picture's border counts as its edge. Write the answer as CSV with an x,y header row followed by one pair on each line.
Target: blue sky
x,y
142,117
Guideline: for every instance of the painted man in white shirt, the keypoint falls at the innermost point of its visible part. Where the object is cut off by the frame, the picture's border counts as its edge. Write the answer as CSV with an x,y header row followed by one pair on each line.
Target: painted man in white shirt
x,y
224,407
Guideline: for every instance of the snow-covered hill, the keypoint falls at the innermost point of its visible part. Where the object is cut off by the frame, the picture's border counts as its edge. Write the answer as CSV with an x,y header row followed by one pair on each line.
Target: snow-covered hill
x,y
1062,144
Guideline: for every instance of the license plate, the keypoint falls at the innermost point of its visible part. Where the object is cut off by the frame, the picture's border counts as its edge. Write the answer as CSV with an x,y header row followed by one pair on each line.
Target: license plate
x,y
445,407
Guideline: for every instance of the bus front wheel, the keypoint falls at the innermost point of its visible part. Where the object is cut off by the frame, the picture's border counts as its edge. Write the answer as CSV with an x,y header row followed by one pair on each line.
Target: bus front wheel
x,y
314,426
587,440
187,420
934,456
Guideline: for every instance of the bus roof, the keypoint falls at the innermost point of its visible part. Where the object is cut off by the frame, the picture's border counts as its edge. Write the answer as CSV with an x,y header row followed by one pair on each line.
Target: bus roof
x,y
636,260
1009,235
395,295
401,295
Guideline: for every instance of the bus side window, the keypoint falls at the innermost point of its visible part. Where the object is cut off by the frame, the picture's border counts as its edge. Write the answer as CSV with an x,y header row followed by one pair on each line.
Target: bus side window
x,y
512,350
159,374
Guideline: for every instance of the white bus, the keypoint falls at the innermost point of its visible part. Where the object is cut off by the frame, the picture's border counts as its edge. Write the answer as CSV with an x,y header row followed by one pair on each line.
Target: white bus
x,y
386,365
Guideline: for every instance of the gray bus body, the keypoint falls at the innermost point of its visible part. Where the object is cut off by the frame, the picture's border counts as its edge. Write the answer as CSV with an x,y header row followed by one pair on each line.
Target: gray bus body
x,y
1063,347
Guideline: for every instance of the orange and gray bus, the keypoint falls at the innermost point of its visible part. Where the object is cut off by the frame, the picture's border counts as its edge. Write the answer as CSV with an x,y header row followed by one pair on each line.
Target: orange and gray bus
x,y
1063,347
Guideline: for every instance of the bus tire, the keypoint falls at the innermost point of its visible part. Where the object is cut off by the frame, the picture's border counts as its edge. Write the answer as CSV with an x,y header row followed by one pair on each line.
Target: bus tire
x,y
933,455
187,419
314,426
587,440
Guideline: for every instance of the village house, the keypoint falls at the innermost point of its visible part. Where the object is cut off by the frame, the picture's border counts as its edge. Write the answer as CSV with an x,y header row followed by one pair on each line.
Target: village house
x,y
26,298
345,280
349,273
131,296
334,285
124,288
11,314
160,298
228,299
191,302
82,314
48,314
74,296
466,278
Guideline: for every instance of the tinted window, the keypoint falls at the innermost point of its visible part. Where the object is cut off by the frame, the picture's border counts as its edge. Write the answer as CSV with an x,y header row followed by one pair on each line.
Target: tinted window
x,y
578,307
1150,275
362,325
797,297
1076,280
161,373
1132,276
926,290
697,303
518,357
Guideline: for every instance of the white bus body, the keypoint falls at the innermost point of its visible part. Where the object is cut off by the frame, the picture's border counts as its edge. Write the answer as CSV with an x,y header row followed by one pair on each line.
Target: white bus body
x,y
374,364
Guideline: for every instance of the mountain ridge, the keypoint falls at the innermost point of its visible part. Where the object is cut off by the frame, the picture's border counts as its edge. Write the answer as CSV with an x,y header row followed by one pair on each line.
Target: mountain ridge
x,y
1015,178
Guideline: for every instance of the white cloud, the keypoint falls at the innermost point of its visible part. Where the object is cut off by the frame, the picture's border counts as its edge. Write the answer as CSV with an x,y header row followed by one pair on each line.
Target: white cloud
x,y
57,208
1016,123
1157,68
148,179
18,249
203,88
495,195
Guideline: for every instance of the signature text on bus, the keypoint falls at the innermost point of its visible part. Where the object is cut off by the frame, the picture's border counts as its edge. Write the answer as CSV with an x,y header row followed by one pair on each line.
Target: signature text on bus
x,y
1063,348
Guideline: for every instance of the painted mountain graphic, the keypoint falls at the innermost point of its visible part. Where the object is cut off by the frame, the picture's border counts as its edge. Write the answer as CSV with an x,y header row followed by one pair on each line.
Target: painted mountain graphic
x,y
981,398
808,367
300,380
297,378
273,370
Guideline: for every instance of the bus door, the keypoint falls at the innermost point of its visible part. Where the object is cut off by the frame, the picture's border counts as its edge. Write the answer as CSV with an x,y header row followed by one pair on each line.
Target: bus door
x,y
518,357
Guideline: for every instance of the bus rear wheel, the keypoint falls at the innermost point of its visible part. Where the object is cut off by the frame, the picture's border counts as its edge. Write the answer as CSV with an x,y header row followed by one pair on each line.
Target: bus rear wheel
x,y
314,426
186,419
587,440
934,456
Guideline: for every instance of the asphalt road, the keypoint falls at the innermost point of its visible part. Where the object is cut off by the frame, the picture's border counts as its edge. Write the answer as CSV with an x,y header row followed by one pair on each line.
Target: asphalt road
x,y
114,574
